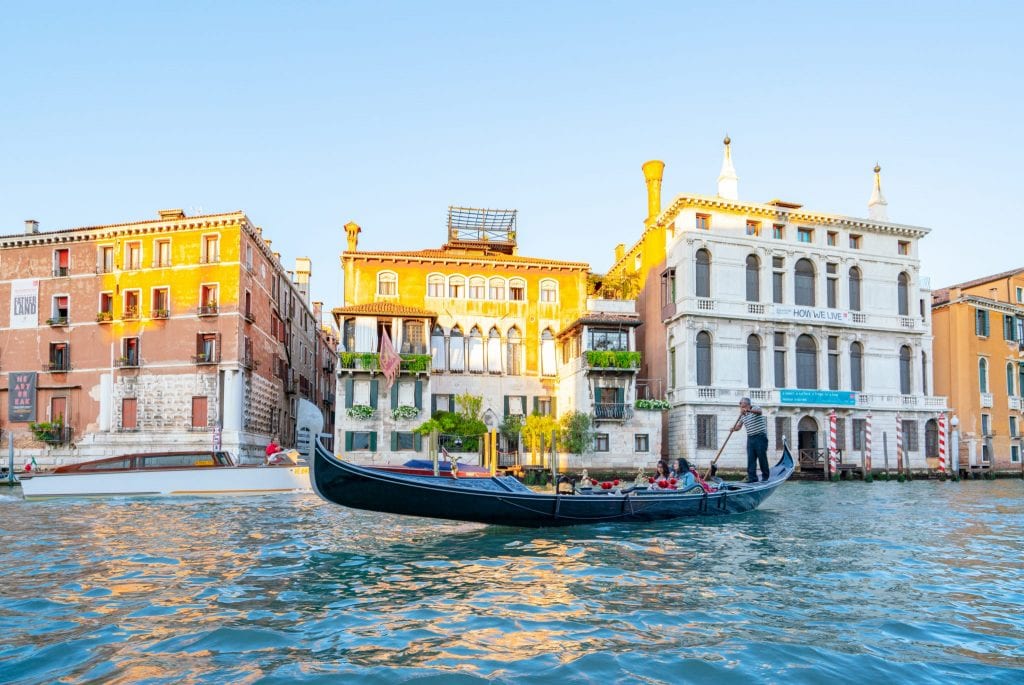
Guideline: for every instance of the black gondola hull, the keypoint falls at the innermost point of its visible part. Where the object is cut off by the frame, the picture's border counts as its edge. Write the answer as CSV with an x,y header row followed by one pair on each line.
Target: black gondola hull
x,y
505,501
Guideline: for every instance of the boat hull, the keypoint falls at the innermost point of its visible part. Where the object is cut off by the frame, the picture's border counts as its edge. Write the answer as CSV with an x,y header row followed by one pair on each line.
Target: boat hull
x,y
505,501
231,480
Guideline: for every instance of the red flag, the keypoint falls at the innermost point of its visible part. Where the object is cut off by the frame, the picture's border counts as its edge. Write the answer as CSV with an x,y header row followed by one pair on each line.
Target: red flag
x,y
389,360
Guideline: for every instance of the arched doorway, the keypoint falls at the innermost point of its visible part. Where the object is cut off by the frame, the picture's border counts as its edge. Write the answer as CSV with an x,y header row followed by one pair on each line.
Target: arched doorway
x,y
807,439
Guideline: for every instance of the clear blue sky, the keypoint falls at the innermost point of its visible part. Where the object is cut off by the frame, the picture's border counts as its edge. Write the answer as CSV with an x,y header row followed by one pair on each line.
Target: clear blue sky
x,y
308,115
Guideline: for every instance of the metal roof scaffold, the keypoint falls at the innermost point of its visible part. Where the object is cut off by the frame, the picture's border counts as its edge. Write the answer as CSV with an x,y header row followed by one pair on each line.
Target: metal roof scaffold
x,y
494,227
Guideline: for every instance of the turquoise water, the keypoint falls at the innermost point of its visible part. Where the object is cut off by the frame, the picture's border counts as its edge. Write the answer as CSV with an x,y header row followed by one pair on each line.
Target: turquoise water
x,y
850,582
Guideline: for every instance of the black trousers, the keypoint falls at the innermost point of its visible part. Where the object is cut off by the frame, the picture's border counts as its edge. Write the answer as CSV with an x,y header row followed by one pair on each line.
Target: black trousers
x,y
757,455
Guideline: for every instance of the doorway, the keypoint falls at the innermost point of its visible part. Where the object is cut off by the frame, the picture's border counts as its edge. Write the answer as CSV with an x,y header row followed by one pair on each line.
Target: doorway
x,y
807,438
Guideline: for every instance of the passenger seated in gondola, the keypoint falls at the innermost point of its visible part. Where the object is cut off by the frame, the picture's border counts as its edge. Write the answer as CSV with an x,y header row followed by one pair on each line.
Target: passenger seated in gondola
x,y
661,473
684,474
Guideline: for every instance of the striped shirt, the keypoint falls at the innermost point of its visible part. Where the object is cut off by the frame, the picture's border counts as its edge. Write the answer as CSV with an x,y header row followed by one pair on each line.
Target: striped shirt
x,y
756,424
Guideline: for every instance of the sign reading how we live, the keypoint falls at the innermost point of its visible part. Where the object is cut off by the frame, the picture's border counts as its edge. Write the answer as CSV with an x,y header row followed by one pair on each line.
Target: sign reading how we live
x,y
811,314
827,398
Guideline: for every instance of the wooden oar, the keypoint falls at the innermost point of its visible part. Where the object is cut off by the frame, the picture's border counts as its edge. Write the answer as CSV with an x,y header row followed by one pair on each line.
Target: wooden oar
x,y
722,448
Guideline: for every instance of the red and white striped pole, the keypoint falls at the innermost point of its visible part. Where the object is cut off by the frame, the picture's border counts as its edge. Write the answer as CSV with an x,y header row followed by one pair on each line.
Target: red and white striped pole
x,y
899,444
867,443
942,443
831,443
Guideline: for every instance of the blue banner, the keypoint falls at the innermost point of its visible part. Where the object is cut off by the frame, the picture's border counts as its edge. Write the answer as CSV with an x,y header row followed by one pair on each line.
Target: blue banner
x,y
827,398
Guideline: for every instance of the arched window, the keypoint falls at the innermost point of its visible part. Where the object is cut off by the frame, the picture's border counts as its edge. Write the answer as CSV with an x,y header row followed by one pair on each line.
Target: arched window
x,y
1020,378
856,367
435,285
804,282
387,283
438,358
494,351
854,289
703,273
456,286
753,362
931,438
672,362
477,288
547,353
703,358
905,378
514,360
517,290
806,362
456,350
924,374
982,373
476,350
412,337
549,290
903,294
1009,379
753,279
497,286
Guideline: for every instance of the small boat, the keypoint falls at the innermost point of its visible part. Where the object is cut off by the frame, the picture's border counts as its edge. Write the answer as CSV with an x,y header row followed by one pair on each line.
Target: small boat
x,y
503,500
195,472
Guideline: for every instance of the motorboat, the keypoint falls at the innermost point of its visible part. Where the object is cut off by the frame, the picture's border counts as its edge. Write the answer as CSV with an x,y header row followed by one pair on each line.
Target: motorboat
x,y
195,472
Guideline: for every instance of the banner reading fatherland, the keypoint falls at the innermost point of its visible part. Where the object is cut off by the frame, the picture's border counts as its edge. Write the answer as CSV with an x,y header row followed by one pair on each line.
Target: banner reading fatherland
x,y
25,303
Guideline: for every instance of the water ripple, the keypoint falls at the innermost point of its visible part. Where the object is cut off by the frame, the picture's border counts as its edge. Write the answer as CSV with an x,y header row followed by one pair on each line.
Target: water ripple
x,y
838,583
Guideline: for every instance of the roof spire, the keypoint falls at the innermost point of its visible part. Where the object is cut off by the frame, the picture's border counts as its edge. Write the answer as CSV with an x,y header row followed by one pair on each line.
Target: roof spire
x,y
728,182
877,206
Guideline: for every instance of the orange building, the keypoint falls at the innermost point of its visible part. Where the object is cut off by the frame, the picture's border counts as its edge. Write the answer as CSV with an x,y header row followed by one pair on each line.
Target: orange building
x,y
979,338
171,333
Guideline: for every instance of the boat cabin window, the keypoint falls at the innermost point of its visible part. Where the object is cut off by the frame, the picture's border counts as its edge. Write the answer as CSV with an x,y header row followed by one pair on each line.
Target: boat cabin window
x,y
107,465
223,459
164,461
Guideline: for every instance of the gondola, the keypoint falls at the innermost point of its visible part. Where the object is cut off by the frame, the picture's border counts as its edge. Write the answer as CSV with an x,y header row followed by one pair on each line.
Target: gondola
x,y
503,500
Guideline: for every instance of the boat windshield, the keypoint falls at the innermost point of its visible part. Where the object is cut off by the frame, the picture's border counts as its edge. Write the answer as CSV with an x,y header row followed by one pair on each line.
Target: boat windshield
x,y
107,465
165,461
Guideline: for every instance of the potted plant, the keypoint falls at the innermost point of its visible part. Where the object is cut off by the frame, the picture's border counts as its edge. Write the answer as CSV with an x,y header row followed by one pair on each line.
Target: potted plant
x,y
362,412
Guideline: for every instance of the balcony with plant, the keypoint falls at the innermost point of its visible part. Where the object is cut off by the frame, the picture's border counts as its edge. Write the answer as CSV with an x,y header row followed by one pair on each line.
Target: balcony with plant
x,y
104,317
51,432
617,360
361,412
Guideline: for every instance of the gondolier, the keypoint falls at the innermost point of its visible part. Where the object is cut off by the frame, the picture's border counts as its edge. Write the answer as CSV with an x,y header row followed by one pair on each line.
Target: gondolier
x,y
752,418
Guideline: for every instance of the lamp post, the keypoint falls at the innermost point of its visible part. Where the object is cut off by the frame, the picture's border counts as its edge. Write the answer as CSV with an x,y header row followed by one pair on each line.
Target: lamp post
x,y
954,445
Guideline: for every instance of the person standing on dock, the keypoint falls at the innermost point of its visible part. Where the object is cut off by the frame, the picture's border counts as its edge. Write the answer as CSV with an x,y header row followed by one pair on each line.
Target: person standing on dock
x,y
752,418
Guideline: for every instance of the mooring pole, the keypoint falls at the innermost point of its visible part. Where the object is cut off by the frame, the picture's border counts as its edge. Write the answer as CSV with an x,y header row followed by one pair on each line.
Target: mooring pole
x,y
10,457
885,451
433,452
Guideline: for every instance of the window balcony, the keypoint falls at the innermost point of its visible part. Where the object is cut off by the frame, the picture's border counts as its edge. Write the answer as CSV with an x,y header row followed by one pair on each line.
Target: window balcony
x,y
104,317
613,360
208,310
612,411
160,314
249,316
57,366
60,271
203,358
131,313
53,434
131,361
370,361
57,321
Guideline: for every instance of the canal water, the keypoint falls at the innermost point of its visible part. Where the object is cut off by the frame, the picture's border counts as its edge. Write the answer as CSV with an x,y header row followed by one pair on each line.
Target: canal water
x,y
850,582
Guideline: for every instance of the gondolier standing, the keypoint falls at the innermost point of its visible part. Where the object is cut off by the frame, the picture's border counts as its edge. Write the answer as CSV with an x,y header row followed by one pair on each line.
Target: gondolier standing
x,y
752,418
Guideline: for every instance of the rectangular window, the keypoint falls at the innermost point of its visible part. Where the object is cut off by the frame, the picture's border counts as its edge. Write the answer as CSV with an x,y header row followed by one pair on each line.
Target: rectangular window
x,y
831,287
60,357
208,299
754,228
1020,294
206,348
442,403
133,255
543,406
131,304
456,288
1013,427
668,287
106,311
248,257
672,367
162,253
641,442
604,339
1009,327
981,322
859,429
200,417
516,292
910,437
600,442
211,249
1015,454
986,425
704,222
60,310
161,303
783,426
361,441
129,413
105,261
778,231
833,362
780,360
403,441
832,238
129,352
548,292
477,289
854,242
778,279
903,247
805,235
61,262
707,431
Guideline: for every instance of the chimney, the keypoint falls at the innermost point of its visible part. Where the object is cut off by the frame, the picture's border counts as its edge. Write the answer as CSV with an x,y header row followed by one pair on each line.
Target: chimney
x,y
267,242
352,230
171,214
31,226
620,252
318,313
303,269
653,171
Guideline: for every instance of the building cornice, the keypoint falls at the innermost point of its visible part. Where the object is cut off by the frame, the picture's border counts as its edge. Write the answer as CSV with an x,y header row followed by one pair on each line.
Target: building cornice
x,y
514,263
98,233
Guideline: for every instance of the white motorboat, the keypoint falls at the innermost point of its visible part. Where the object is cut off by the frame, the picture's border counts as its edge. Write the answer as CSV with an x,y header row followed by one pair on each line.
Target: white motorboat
x,y
168,473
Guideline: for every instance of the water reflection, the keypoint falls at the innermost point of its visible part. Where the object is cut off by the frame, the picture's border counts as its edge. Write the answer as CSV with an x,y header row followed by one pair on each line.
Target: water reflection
x,y
919,580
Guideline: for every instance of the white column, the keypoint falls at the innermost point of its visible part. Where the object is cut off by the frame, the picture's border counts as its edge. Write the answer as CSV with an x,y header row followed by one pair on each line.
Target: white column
x,y
233,398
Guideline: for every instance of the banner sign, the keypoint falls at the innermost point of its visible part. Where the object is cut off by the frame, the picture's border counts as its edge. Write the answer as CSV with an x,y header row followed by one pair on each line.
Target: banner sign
x,y
24,303
827,398
811,314
21,396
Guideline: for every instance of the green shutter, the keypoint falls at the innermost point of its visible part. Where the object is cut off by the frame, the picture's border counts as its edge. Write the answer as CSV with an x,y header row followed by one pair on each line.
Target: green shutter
x,y
349,383
374,391
417,442
394,396
394,440
506,405
554,414
536,404
373,441
620,395
348,441
433,404
418,395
